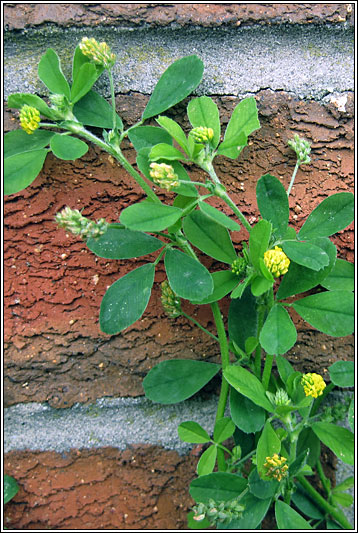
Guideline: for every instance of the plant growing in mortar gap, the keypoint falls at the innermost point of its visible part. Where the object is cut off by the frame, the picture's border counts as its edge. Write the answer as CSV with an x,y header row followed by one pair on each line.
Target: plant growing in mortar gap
x,y
274,421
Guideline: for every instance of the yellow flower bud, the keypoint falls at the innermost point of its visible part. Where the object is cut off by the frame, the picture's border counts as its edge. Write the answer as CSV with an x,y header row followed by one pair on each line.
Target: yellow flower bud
x,y
164,175
275,467
202,134
99,53
313,384
29,118
276,261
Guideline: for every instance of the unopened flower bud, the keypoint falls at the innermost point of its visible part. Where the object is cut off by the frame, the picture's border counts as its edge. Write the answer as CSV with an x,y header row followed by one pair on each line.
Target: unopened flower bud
x,y
302,149
73,221
99,53
238,267
313,384
202,134
275,467
170,301
276,261
164,175
281,398
29,118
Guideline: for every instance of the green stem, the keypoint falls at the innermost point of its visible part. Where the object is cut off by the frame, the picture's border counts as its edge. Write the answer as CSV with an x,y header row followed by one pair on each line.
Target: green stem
x,y
200,326
293,178
225,361
322,477
260,319
336,514
114,118
224,196
267,370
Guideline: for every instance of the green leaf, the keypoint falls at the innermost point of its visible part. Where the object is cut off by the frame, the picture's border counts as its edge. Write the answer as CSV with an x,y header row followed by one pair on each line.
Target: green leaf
x,y
342,498
11,488
338,439
203,111
121,243
284,367
197,524
187,277
341,277
126,299
177,379
350,416
278,333
207,461
219,216
145,216
147,137
240,289
260,488
308,440
348,483
246,415
218,486
224,282
18,141
67,147
247,384
83,82
243,121
268,444
300,279
254,513
342,373
333,214
93,110
260,285
288,518
79,59
272,202
305,504
165,151
17,100
306,254
331,312
20,170
224,429
299,463
243,311
259,241
175,84
50,73
192,432
209,236
174,131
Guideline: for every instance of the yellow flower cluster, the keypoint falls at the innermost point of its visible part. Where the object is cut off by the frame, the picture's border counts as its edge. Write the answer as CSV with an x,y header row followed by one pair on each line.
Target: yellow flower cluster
x,y
100,53
29,118
276,467
170,301
276,261
313,384
164,175
202,134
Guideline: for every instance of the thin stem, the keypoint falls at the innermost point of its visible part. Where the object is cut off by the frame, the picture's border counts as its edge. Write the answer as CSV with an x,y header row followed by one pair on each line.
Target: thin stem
x,y
138,178
293,178
225,361
260,319
114,118
322,477
200,326
267,370
336,514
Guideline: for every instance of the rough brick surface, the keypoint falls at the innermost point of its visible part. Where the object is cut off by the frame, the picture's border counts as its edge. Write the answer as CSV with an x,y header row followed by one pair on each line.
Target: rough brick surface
x,y
20,16
54,349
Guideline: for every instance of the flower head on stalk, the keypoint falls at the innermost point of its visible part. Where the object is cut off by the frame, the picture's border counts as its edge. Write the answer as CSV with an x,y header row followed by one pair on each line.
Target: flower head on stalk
x,y
170,301
99,53
276,467
164,175
29,118
218,512
302,149
276,261
72,220
313,384
202,134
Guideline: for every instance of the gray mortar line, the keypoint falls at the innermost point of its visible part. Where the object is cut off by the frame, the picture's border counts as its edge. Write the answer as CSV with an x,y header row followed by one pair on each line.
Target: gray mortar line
x,y
308,62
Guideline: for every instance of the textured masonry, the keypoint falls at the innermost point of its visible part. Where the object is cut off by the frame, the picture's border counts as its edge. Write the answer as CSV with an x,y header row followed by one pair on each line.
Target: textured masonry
x,y
297,60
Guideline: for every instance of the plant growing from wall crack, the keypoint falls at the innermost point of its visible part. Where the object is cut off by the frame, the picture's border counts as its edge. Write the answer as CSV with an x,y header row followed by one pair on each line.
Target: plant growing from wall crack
x,y
275,427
